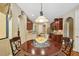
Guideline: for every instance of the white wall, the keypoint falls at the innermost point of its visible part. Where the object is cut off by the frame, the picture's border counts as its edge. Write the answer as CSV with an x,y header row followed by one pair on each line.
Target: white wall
x,y
23,27
76,32
16,11
5,49
75,15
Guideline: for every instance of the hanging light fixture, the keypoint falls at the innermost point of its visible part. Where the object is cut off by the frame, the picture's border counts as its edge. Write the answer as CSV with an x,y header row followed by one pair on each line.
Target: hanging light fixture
x,y
41,18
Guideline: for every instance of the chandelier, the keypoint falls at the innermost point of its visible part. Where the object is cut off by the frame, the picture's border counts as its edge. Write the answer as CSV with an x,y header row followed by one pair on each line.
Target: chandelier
x,y
41,18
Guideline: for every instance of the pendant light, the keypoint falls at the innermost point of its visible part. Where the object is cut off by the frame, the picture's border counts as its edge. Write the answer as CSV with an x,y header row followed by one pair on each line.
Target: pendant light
x,y
41,18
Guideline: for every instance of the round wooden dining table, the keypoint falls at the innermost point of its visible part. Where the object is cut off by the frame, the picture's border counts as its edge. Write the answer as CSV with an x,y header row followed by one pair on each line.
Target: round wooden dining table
x,y
35,51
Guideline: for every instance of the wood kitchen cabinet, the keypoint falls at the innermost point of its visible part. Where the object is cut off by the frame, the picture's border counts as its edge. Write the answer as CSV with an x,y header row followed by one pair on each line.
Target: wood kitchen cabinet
x,y
57,27
55,38
61,23
29,24
57,24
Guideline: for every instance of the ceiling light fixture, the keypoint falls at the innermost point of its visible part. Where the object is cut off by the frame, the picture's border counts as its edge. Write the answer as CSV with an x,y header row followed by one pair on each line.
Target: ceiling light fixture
x,y
41,18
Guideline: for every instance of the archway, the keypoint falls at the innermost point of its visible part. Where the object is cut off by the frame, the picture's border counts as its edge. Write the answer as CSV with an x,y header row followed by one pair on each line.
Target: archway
x,y
69,27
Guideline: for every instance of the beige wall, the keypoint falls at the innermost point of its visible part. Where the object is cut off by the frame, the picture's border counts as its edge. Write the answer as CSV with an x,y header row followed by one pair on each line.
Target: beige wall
x,y
2,25
5,49
5,44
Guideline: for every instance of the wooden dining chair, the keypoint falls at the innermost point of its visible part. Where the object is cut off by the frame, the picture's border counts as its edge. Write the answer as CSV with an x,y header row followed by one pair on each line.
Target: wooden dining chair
x,y
15,45
60,53
68,46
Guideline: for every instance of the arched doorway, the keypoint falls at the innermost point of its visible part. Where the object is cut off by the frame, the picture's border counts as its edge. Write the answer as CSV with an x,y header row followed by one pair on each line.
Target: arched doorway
x,y
69,27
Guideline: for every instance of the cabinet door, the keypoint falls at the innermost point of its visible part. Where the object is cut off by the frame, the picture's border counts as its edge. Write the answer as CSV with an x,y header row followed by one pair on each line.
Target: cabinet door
x,y
59,24
29,25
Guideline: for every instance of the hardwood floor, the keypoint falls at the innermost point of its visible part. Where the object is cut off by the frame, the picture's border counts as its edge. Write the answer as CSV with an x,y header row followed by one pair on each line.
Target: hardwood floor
x,y
73,53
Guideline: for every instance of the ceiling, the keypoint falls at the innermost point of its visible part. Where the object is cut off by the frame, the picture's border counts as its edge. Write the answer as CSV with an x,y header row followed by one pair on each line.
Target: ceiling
x,y
50,10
